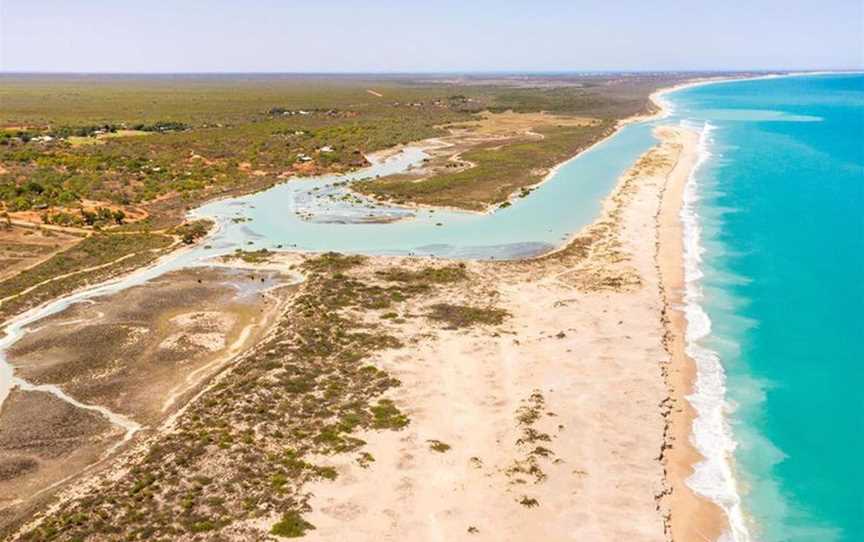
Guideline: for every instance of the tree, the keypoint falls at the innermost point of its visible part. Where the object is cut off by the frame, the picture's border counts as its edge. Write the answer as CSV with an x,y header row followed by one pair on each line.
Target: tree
x,y
20,204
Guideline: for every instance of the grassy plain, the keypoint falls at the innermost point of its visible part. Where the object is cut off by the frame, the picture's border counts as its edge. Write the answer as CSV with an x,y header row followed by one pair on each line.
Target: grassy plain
x,y
22,247
528,127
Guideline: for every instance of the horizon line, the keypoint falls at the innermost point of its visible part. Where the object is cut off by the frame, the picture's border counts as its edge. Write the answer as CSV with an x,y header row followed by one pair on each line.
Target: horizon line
x,y
445,72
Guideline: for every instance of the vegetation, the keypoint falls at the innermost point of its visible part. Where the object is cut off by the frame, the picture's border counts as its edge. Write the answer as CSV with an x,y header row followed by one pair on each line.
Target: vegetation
x,y
95,258
529,465
245,450
431,275
206,137
189,232
250,256
529,502
438,446
459,316
292,525
333,262
211,135
387,416
499,171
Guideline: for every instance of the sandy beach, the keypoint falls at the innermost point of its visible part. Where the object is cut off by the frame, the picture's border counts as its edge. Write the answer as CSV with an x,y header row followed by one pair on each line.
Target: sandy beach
x,y
588,351
693,517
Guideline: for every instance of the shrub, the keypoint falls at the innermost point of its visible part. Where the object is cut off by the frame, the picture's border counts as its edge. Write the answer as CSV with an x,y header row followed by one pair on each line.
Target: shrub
x,y
457,316
387,416
292,525
189,232
438,446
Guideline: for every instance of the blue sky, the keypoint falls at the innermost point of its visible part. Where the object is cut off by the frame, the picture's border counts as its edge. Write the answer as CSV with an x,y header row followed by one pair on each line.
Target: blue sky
x,y
388,36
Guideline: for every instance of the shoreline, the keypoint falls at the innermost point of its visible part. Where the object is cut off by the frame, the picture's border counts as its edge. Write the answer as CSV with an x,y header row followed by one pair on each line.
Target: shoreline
x,y
705,518
693,516
663,111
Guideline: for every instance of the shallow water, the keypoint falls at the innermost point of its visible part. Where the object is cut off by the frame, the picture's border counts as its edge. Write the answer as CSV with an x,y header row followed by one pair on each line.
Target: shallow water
x,y
553,212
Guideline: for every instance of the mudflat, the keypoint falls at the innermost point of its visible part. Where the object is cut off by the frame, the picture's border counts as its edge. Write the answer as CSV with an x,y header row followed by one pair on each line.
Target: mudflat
x,y
125,362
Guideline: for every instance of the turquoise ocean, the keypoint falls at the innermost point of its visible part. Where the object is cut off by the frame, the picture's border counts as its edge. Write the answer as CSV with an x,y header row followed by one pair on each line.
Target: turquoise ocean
x,y
776,273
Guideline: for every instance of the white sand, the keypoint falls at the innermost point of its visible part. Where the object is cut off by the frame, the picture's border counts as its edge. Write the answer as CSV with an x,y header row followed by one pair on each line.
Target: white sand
x,y
602,382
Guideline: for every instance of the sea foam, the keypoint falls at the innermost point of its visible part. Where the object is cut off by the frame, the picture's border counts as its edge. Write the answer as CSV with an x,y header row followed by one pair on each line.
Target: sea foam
x,y
712,436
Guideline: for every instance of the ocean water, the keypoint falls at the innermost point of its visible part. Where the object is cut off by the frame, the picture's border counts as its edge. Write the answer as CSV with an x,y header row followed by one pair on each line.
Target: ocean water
x,y
775,223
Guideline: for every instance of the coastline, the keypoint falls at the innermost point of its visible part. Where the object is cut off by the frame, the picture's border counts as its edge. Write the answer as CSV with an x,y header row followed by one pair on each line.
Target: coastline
x,y
663,111
691,515
693,383
694,517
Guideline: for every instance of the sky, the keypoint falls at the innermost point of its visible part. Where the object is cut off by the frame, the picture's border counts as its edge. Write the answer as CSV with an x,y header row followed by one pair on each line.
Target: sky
x,y
428,36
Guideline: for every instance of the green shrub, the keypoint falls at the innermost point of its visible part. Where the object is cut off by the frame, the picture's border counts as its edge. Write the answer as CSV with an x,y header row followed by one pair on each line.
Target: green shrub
x,y
292,525
387,416
457,316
